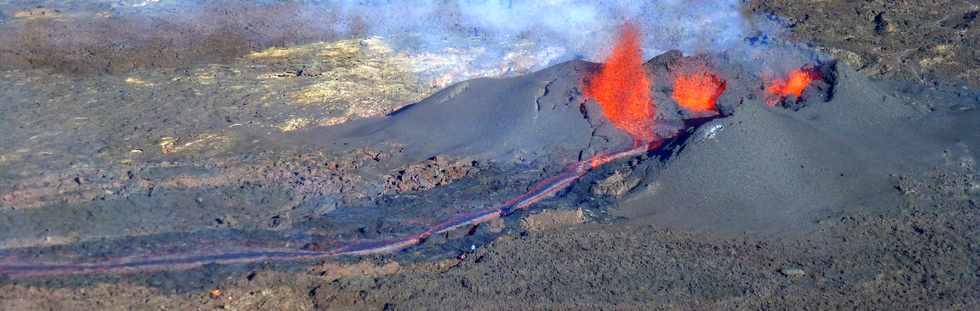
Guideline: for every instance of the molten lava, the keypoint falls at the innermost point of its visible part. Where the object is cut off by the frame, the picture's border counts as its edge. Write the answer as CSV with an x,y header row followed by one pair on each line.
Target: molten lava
x,y
698,89
623,90
794,85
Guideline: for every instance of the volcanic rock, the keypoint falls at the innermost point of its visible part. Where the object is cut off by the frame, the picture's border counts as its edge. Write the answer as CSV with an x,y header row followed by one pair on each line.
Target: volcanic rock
x,y
616,185
553,219
431,173
793,272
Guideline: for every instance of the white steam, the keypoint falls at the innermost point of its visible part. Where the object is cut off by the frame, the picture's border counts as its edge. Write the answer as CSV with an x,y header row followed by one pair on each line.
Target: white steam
x,y
582,28
503,37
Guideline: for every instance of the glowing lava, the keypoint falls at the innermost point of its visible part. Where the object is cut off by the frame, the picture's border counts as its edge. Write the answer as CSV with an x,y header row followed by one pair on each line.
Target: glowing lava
x,y
698,90
623,90
794,85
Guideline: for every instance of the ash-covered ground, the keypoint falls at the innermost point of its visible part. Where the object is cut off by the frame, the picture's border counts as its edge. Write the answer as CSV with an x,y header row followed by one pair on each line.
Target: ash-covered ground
x,y
861,193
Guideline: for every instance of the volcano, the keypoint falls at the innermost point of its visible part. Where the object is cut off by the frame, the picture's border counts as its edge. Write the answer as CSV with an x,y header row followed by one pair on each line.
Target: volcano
x,y
747,168
715,179
755,169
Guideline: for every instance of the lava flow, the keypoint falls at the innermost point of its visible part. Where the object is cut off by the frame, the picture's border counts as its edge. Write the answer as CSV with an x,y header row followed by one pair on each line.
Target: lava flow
x,y
794,85
16,267
623,90
621,87
697,89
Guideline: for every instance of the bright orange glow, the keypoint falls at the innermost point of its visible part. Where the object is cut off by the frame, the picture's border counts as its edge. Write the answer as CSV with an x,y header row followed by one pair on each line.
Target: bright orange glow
x,y
697,89
623,90
215,293
794,85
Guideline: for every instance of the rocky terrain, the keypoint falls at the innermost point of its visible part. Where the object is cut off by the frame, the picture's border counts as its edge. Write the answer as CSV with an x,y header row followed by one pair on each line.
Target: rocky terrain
x,y
861,193
927,43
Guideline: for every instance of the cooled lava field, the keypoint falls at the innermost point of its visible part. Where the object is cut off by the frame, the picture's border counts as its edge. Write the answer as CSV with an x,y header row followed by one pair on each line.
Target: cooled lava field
x,y
554,155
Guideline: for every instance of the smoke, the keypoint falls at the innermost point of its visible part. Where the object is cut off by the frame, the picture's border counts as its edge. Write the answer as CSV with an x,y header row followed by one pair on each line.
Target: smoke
x,y
568,28
455,39
496,33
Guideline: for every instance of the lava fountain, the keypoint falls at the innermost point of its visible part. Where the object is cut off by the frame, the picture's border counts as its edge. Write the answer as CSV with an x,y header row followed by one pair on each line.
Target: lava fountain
x,y
697,88
622,88
793,85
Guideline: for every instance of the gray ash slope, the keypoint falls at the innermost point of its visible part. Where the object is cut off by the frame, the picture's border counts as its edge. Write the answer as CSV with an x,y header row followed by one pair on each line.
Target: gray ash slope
x,y
773,171
540,115
543,115
756,169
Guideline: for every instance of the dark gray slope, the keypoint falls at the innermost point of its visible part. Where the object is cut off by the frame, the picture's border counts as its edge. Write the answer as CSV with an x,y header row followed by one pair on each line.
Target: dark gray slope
x,y
759,169
541,114
777,171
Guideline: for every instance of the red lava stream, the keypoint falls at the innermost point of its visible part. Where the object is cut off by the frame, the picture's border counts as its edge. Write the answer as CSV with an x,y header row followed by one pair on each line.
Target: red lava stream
x,y
22,267
622,89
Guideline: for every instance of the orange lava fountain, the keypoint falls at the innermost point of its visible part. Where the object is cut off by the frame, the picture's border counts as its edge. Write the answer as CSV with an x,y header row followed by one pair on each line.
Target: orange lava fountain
x,y
698,90
622,88
794,85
